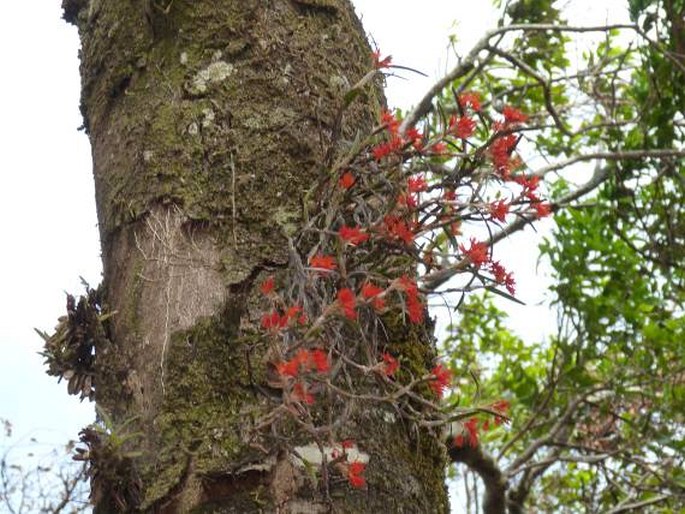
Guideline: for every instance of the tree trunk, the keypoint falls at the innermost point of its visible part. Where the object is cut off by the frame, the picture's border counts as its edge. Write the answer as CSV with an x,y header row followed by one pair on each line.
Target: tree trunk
x,y
209,121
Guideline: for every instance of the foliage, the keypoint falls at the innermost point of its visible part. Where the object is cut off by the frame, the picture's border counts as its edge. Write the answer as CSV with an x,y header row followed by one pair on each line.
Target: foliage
x,y
597,408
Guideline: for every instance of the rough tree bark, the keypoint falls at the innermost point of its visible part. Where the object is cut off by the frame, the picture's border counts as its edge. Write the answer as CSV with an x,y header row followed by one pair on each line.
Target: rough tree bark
x,y
209,120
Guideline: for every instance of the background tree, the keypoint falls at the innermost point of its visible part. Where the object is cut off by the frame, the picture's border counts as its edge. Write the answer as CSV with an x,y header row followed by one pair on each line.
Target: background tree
x,y
34,483
597,408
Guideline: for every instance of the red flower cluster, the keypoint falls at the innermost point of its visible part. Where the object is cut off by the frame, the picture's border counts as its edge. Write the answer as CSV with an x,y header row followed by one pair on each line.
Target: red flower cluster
x,y
513,115
390,364
352,235
302,394
346,180
396,142
348,302
324,262
442,377
410,201
439,148
530,185
379,63
542,209
499,210
267,286
463,127
477,253
417,184
503,277
354,474
399,228
502,407
372,292
305,361
469,99
277,321
501,151
471,426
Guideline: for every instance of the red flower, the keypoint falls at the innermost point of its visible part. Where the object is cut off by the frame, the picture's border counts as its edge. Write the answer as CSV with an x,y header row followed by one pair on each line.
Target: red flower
x,y
289,368
469,99
347,444
390,364
463,127
439,148
347,301
390,121
385,149
399,229
352,235
502,277
471,426
477,253
371,292
305,360
501,151
325,262
528,183
499,210
415,137
408,285
417,184
408,201
501,406
347,180
415,309
379,63
441,379
274,321
292,367
542,209
354,474
292,312
267,286
512,115
319,360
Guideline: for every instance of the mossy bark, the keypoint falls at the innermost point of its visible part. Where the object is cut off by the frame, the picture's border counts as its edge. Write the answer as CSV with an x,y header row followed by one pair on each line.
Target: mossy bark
x,y
209,121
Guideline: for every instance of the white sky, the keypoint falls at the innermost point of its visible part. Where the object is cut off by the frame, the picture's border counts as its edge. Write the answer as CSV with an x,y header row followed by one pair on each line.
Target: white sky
x,y
47,213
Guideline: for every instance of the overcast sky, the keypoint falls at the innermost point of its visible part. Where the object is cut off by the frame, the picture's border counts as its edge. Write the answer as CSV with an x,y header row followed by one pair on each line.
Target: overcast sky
x,y
47,213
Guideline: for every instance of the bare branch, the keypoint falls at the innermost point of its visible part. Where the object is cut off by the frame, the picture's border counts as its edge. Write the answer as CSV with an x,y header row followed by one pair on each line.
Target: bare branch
x,y
618,155
627,506
544,84
467,63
